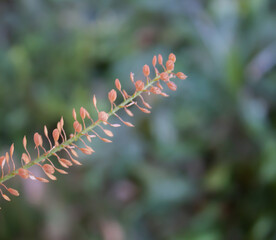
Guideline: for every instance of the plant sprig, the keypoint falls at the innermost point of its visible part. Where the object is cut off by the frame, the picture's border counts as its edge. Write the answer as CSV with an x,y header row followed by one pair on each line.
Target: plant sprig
x,y
83,133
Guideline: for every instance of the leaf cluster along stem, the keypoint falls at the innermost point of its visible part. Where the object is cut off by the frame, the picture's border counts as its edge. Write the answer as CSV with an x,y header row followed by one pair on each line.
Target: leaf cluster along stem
x,y
80,134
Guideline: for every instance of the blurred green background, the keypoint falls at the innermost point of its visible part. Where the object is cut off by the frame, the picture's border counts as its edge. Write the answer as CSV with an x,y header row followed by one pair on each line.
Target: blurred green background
x,y
202,166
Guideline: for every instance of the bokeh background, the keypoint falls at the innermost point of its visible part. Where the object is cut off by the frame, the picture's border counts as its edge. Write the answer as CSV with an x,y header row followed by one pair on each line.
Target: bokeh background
x,y
202,166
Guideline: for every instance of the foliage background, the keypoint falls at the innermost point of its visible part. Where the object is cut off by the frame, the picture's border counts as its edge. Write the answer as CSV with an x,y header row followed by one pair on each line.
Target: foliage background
x,y
202,166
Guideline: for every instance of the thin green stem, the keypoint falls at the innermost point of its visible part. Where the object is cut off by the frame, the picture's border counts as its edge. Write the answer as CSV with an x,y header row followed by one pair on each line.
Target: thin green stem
x,y
80,134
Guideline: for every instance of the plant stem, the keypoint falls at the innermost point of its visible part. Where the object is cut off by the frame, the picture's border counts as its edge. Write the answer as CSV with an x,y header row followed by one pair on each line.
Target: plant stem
x,y
80,134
